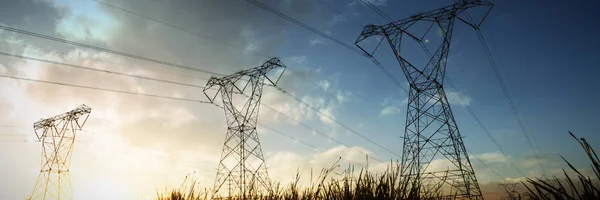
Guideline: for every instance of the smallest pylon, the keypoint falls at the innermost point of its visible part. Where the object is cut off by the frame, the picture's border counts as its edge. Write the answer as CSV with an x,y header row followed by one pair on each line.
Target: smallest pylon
x,y
57,135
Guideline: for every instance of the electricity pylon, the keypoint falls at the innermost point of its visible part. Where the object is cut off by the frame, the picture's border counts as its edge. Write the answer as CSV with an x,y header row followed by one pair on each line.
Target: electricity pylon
x,y
431,133
242,166
57,135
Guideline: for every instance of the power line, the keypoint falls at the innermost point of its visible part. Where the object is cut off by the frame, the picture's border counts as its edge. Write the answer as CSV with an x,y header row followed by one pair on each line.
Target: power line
x,y
97,70
159,80
327,116
307,27
254,51
331,7
333,96
484,163
508,97
485,130
377,10
23,46
167,63
300,141
105,50
163,62
182,99
337,122
102,89
178,27
315,130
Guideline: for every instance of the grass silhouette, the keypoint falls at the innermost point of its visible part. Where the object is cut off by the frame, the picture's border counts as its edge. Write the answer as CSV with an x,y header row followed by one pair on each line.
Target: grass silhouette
x,y
390,185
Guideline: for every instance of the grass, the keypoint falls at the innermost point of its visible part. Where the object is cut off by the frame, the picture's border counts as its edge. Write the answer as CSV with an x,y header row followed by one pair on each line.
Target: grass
x,y
569,187
390,185
365,185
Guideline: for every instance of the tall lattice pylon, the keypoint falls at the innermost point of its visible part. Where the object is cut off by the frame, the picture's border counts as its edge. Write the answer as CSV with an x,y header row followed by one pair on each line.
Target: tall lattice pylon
x,y
57,135
431,133
242,169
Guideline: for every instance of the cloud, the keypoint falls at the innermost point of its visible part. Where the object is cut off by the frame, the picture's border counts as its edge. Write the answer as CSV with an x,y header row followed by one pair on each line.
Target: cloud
x,y
493,157
392,106
455,98
283,162
374,2
142,124
324,84
316,41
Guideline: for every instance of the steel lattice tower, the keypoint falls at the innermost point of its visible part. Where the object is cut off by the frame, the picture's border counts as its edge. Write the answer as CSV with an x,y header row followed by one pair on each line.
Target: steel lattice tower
x,y
242,166
431,132
57,135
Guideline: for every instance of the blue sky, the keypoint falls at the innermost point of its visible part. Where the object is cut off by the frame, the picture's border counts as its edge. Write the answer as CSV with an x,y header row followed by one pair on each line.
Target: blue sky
x,y
544,51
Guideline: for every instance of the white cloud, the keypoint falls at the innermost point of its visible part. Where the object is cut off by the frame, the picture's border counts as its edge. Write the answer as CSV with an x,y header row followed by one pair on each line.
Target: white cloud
x,y
297,60
324,84
283,163
493,157
455,98
316,41
374,2
392,106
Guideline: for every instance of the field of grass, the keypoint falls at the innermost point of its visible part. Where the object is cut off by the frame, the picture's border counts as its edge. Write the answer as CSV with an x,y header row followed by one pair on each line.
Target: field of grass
x,y
389,185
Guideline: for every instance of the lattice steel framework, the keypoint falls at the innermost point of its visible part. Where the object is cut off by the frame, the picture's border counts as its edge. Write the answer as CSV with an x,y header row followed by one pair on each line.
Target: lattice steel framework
x,y
57,135
431,132
242,167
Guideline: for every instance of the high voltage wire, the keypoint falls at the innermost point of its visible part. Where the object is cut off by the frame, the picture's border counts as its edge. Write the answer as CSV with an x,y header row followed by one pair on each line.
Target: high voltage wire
x,y
313,129
508,97
137,57
377,10
177,27
333,96
158,96
177,83
329,117
180,99
337,122
504,88
307,27
102,89
23,46
166,63
256,52
343,44
104,50
485,130
97,70
374,8
331,7
302,142
175,65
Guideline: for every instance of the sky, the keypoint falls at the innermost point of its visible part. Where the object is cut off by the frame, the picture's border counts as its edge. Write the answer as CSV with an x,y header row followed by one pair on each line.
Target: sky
x,y
133,145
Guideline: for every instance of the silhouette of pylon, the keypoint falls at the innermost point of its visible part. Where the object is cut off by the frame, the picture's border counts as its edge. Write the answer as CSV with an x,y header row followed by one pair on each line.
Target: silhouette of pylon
x,y
431,133
242,166
57,135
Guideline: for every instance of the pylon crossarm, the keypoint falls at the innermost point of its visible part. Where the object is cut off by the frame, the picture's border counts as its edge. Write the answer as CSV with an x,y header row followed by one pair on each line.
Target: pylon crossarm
x,y
57,138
